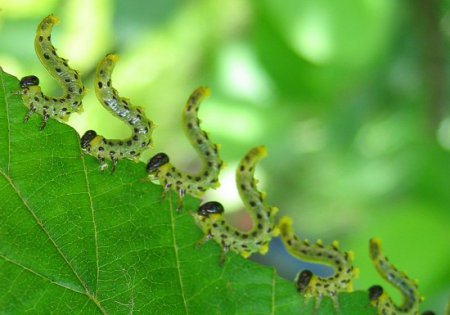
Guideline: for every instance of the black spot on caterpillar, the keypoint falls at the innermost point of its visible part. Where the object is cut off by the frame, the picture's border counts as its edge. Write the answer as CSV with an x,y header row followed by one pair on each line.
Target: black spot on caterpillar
x,y
69,79
142,127
209,216
160,168
379,298
309,284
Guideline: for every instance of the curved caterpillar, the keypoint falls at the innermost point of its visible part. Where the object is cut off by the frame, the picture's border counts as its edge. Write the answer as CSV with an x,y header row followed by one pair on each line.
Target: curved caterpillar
x,y
160,168
69,79
309,284
408,287
142,128
210,214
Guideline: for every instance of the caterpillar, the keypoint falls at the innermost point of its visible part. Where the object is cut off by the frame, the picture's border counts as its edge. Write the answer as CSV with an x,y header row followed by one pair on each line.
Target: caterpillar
x,y
69,79
209,216
159,166
379,298
142,127
309,284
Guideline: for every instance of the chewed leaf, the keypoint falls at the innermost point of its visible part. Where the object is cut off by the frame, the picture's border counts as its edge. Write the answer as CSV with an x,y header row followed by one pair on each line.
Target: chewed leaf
x,y
77,241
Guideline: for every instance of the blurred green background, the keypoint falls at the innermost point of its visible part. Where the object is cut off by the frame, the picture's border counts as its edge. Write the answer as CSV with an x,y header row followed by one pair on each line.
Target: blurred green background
x,y
350,97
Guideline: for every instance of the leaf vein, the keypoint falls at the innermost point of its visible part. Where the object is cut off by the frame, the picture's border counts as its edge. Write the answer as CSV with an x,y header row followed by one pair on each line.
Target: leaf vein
x,y
175,248
40,275
52,241
7,121
91,204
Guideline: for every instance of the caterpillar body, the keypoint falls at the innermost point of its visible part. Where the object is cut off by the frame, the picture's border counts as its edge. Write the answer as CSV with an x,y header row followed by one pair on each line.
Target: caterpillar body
x,y
170,177
105,149
379,298
69,79
210,218
309,284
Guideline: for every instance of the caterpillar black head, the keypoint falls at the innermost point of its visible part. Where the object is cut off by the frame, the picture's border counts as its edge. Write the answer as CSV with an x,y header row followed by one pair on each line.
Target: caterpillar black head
x,y
428,313
87,138
303,280
156,162
211,207
375,292
28,81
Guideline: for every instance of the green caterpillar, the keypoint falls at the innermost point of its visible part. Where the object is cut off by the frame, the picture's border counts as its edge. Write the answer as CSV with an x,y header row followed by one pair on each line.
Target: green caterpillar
x,y
142,127
309,284
159,166
380,299
69,79
209,216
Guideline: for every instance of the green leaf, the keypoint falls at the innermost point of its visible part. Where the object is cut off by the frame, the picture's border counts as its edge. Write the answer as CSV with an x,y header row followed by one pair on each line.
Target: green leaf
x,y
75,240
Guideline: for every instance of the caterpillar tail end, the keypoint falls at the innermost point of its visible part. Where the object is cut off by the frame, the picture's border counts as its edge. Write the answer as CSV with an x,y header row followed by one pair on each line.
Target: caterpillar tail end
x,y
285,225
261,151
203,91
51,19
375,247
112,58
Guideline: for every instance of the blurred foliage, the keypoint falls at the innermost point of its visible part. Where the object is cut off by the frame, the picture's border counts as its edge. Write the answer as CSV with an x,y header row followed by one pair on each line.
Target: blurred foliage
x,y
350,97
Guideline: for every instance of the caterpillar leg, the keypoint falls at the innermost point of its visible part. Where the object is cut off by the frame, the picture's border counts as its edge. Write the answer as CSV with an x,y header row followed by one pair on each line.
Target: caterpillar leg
x,y
203,240
223,254
181,194
29,114
45,117
225,248
103,165
114,161
166,190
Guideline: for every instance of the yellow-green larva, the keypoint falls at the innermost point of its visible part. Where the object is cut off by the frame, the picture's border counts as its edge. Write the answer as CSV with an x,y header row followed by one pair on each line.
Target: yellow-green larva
x,y
209,216
159,166
379,298
309,284
114,150
69,79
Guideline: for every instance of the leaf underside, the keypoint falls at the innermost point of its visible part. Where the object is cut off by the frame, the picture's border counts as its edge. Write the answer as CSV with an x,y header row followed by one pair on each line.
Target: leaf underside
x,y
74,240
